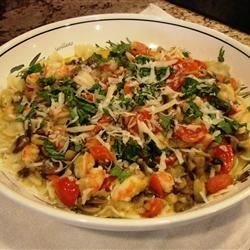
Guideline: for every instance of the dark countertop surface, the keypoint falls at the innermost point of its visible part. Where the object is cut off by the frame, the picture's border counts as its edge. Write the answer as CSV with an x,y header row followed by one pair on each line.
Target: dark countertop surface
x,y
19,16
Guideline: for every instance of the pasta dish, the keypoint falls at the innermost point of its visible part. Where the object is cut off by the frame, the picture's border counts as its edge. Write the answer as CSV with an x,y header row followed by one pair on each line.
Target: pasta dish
x,y
125,131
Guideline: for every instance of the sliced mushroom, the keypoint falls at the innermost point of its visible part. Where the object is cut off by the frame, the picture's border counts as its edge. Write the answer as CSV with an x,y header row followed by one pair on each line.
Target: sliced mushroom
x,y
20,143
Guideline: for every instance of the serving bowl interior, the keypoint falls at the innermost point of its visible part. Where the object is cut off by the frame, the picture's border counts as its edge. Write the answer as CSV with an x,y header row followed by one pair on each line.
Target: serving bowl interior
x,y
203,43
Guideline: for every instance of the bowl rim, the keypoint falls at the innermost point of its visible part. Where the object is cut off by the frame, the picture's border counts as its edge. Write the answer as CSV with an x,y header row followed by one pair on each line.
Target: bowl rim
x,y
124,224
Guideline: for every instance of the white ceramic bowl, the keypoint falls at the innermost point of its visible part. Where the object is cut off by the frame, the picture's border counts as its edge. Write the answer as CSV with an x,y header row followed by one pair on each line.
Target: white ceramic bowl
x,y
202,42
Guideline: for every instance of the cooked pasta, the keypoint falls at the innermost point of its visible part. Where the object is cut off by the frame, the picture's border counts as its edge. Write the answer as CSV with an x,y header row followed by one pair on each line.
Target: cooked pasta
x,y
125,131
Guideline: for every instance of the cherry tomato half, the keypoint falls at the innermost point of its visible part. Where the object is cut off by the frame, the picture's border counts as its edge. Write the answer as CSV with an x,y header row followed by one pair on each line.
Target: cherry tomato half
x,y
191,135
218,183
107,183
99,151
170,160
184,67
155,186
67,191
224,152
155,207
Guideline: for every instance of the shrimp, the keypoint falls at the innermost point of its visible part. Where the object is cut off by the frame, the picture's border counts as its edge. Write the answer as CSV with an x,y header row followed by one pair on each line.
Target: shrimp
x,y
83,164
31,80
126,190
60,71
30,153
31,86
138,48
92,180
58,136
166,181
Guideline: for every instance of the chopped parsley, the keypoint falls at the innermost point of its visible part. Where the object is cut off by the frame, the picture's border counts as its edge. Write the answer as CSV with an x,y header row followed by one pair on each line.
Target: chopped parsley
x,y
97,88
144,71
19,108
220,104
118,52
141,59
129,151
192,87
120,173
51,152
35,68
189,87
161,72
166,122
192,112
47,80
220,57
95,59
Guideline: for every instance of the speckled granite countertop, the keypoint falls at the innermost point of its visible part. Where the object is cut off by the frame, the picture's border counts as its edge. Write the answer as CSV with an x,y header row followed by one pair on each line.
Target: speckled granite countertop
x,y
19,16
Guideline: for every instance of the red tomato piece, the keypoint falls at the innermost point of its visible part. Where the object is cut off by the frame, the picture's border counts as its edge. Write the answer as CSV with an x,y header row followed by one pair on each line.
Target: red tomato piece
x,y
171,160
177,83
144,115
224,152
155,186
99,151
90,97
155,207
127,89
218,183
105,119
183,67
107,183
67,191
190,135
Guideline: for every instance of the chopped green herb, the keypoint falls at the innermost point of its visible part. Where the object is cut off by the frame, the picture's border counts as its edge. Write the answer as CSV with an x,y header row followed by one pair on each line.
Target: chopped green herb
x,y
16,68
34,60
141,59
131,151
120,48
220,57
95,59
133,68
97,88
192,87
143,72
186,53
208,91
51,152
192,112
120,173
166,122
229,126
161,72
19,108
189,87
126,102
78,147
35,68
118,146
220,104
212,116
47,80
118,52
45,95
32,111
20,118
219,139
